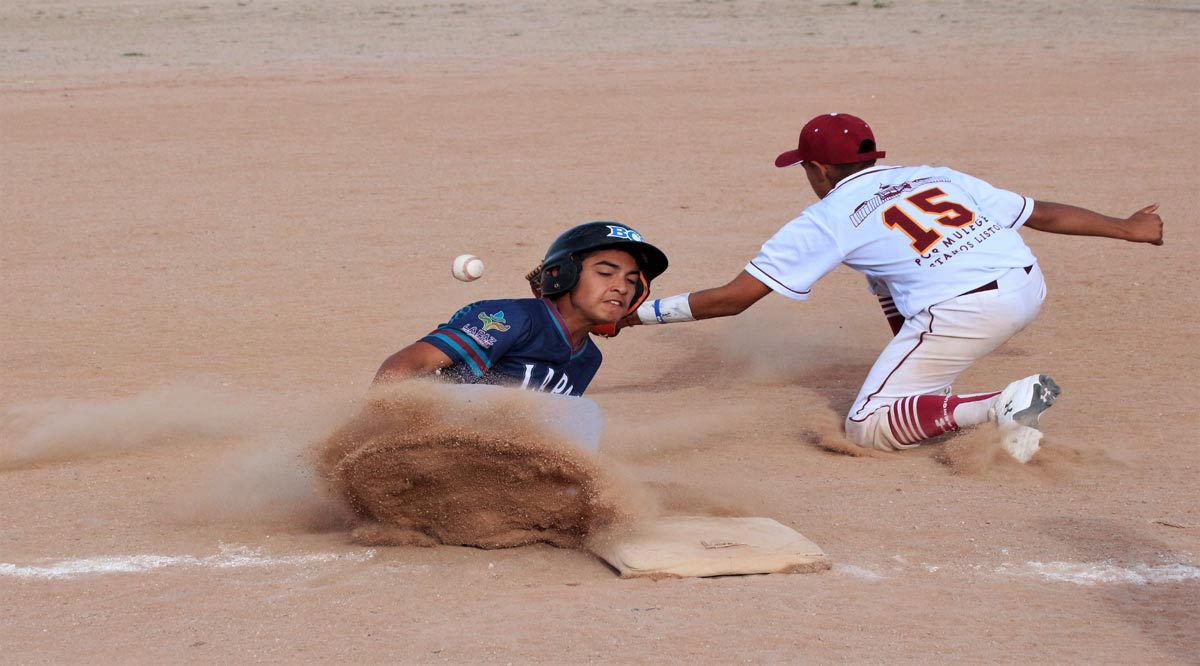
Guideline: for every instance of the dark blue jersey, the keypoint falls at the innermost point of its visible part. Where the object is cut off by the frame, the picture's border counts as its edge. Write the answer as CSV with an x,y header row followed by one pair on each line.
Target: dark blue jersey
x,y
515,341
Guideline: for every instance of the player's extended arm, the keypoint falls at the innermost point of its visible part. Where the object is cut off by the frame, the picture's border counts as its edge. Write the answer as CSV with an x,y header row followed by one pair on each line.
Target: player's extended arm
x,y
416,360
1144,226
730,299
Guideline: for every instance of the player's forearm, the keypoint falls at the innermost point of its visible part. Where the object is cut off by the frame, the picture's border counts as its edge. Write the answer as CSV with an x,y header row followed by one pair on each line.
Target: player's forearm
x,y
415,360
718,302
730,299
394,371
1071,220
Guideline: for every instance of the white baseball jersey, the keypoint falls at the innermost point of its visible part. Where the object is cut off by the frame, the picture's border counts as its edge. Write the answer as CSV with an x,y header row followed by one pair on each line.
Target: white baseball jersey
x,y
924,234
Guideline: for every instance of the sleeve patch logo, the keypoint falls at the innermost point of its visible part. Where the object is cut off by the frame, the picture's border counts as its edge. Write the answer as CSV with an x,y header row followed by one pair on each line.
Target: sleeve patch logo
x,y
486,341
494,321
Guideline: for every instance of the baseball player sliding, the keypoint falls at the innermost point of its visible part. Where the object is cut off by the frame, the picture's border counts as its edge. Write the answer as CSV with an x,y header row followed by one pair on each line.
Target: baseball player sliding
x,y
940,250
592,275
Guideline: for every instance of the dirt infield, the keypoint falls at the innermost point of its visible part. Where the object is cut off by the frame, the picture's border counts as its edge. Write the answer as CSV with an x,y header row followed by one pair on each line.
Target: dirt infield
x,y
220,217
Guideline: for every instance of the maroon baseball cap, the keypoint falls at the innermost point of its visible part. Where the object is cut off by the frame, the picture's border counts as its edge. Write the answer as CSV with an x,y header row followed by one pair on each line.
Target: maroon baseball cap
x,y
834,138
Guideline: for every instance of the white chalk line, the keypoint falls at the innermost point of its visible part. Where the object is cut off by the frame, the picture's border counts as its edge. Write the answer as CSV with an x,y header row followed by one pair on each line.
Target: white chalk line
x,y
1100,573
857,572
236,557
1078,573
229,557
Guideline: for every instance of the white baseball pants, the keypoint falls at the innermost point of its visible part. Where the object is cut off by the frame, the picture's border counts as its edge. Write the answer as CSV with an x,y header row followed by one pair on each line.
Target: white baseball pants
x,y
936,345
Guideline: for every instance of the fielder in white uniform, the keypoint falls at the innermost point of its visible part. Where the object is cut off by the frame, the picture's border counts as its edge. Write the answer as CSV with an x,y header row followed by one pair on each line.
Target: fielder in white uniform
x,y
940,250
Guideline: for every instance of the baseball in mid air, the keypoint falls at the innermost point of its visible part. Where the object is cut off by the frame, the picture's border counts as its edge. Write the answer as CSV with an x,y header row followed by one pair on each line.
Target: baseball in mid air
x,y
467,267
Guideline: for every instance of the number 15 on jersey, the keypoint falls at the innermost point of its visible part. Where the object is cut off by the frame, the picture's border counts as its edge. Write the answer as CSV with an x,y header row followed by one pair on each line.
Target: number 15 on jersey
x,y
948,214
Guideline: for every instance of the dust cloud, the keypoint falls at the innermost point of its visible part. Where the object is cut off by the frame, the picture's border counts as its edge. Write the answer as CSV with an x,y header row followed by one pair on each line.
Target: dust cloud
x,y
67,429
777,347
413,464
257,468
420,466
410,465
977,452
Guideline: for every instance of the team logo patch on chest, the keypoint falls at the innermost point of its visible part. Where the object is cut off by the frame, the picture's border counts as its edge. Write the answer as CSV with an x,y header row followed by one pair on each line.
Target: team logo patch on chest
x,y
494,322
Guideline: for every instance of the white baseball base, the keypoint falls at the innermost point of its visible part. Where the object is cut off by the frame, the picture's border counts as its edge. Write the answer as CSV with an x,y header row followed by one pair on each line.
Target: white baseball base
x,y
697,547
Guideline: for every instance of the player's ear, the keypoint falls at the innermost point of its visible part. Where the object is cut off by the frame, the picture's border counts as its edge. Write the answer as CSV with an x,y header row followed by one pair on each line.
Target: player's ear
x,y
819,177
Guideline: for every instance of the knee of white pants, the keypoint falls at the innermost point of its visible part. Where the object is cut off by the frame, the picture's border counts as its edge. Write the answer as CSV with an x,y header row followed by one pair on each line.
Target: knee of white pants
x,y
856,432
874,432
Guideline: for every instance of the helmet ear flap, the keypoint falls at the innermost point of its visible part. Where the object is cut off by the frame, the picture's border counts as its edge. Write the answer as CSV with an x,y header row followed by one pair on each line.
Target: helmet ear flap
x,y
559,277
550,280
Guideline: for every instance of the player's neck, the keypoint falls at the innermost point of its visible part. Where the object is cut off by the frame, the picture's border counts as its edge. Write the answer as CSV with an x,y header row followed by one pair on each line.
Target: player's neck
x,y
576,325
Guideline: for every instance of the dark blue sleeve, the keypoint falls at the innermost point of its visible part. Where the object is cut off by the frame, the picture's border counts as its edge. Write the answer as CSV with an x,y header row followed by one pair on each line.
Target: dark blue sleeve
x,y
481,333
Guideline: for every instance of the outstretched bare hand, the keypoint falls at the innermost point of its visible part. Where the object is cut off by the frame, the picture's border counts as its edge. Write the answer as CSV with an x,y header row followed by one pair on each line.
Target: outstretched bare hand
x,y
1145,226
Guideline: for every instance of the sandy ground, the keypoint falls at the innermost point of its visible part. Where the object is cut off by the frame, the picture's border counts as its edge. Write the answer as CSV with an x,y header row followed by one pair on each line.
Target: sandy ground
x,y
219,217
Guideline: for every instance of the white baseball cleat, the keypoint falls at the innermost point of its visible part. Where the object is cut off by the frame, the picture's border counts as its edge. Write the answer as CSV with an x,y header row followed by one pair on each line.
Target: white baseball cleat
x,y
1017,412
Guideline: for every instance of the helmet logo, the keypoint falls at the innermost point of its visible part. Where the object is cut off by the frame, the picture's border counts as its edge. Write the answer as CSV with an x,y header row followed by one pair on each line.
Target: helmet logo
x,y
624,232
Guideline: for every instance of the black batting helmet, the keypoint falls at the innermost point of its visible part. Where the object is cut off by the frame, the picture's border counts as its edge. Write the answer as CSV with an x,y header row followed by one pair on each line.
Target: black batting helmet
x,y
559,271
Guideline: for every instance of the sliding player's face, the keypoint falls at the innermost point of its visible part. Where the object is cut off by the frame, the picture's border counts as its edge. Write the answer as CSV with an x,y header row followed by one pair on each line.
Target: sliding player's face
x,y
607,282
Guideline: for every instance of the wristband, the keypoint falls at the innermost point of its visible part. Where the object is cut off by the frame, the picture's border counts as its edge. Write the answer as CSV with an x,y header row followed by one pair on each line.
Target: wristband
x,y
666,310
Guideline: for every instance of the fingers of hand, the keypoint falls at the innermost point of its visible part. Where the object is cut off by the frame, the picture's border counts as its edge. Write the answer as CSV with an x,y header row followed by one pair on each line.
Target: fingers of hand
x,y
1154,232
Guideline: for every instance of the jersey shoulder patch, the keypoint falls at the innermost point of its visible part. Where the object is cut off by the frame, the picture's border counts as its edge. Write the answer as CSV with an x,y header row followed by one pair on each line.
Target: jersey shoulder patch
x,y
483,321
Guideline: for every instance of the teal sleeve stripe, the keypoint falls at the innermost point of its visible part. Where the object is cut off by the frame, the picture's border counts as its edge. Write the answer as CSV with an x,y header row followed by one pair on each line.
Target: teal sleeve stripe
x,y
463,353
478,352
